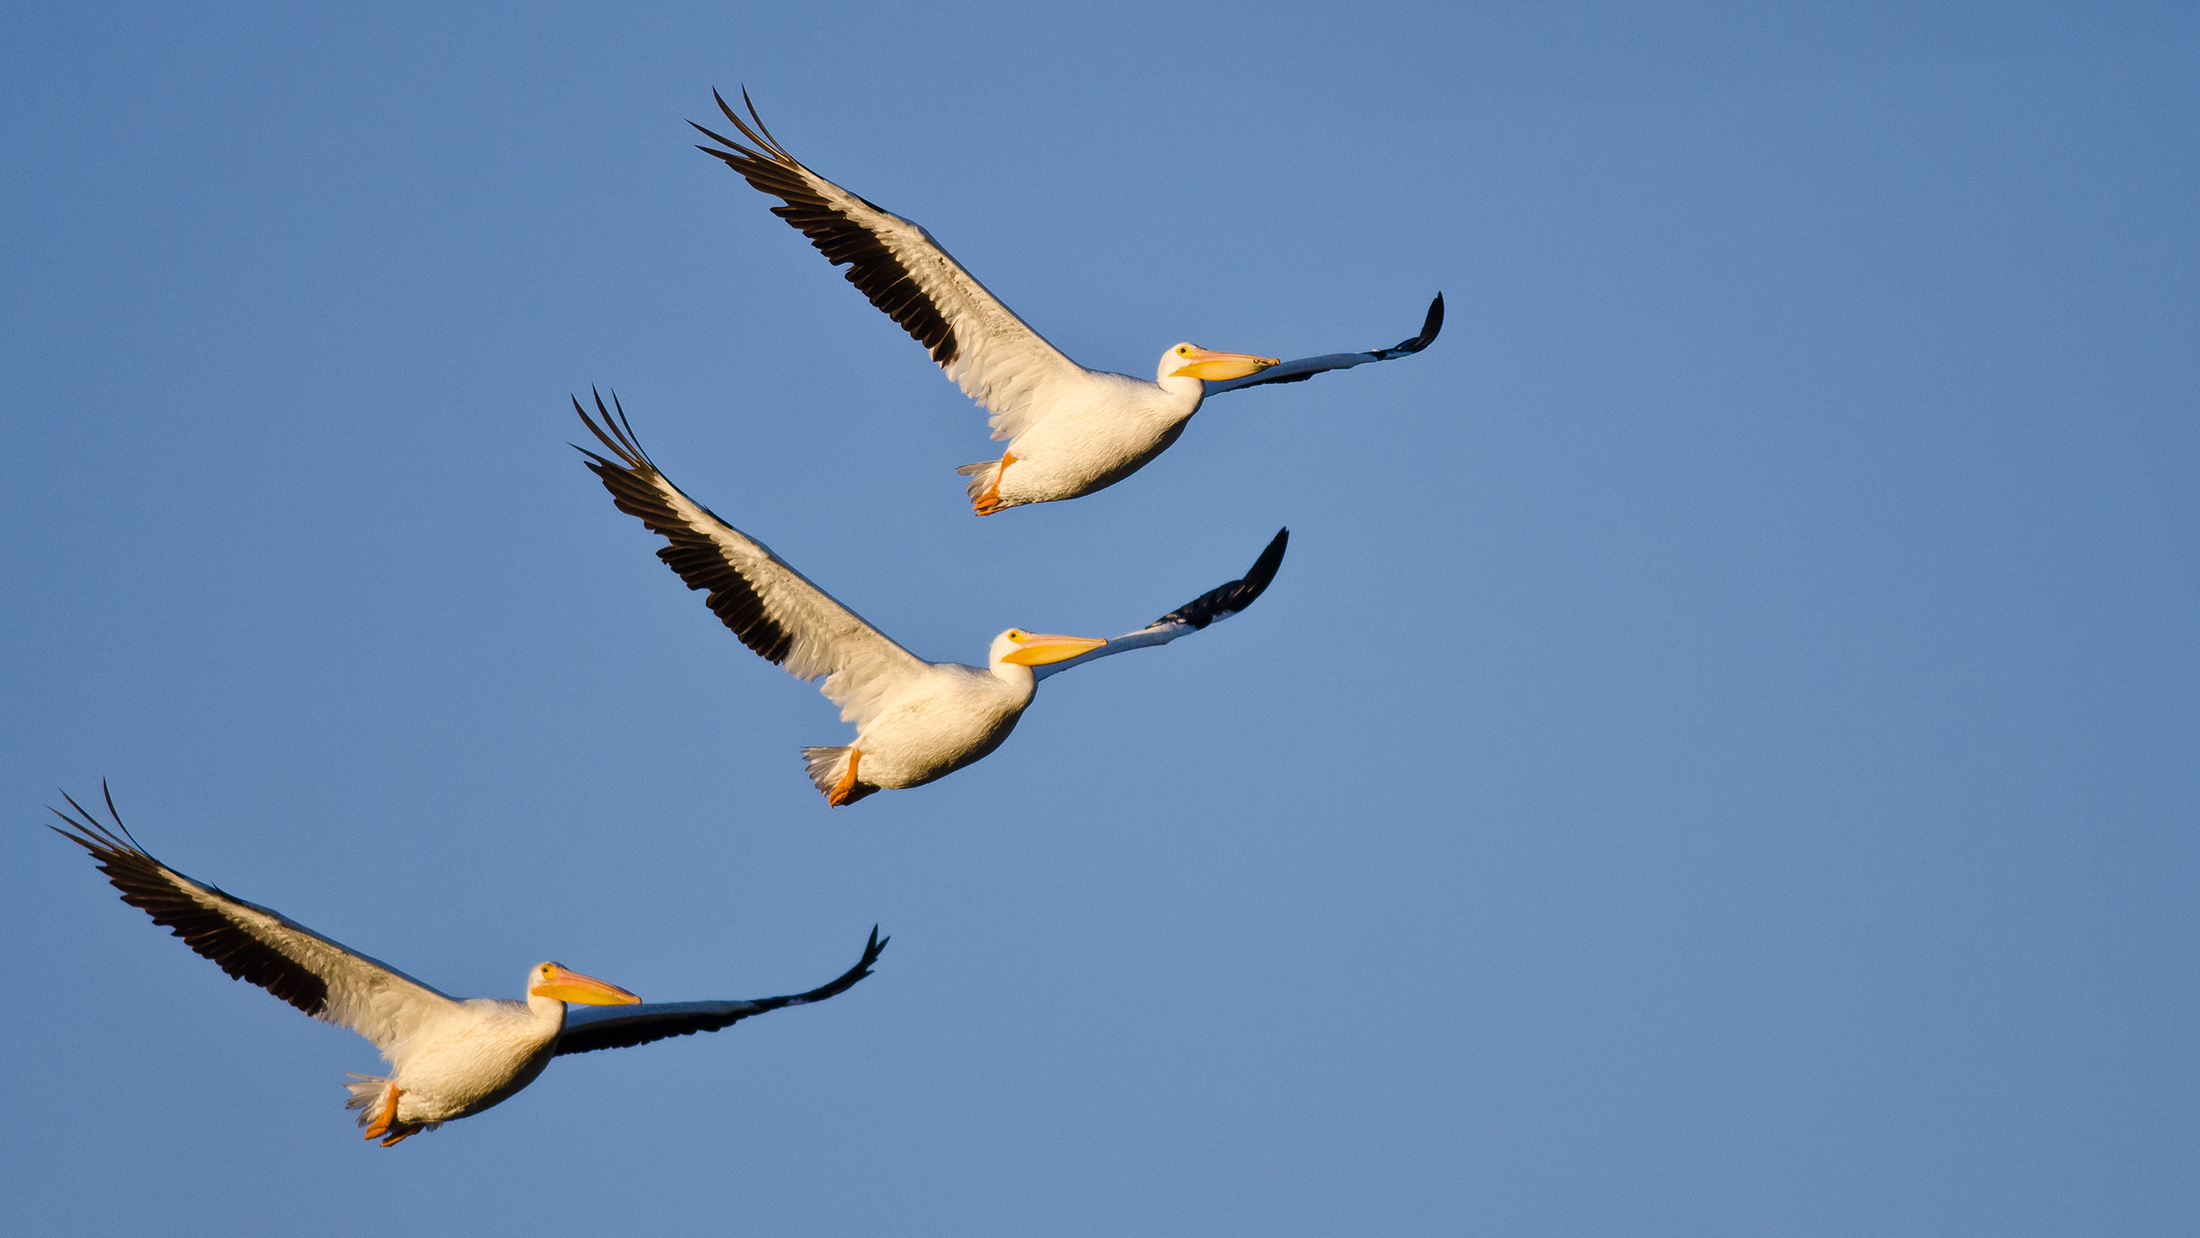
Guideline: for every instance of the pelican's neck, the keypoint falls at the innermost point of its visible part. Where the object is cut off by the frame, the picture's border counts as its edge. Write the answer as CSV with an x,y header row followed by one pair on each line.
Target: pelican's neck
x,y
548,1013
1184,394
1019,680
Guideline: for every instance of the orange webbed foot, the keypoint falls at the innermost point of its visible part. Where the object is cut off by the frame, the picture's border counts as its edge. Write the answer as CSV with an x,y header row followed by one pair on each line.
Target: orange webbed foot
x,y
844,790
990,501
381,1124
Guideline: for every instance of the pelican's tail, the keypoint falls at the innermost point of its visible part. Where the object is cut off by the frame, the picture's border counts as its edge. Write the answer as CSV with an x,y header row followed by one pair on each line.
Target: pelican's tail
x,y
984,486
365,1090
376,1101
830,769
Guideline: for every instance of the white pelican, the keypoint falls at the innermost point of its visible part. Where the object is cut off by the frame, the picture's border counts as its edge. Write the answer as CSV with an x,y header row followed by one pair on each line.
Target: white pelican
x,y
915,720
1070,430
453,1058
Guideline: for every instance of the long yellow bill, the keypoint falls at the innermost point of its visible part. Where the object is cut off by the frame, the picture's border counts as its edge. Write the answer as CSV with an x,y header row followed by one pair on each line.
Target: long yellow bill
x,y
1038,650
565,985
1210,366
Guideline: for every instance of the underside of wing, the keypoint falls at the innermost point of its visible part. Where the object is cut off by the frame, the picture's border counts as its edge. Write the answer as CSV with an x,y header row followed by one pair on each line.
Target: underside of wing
x,y
994,356
774,609
1216,604
1307,367
589,1028
252,943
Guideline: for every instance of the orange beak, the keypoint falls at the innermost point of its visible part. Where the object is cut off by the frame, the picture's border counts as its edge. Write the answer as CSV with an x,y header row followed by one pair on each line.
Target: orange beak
x,y
566,985
1209,366
1038,650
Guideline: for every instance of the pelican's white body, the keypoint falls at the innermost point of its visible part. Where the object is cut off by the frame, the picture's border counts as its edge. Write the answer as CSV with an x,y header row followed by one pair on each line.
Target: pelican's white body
x,y
465,1057
942,722
1093,435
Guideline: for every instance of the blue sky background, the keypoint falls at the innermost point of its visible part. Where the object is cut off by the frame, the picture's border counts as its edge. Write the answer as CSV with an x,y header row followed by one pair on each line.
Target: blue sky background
x,y
1719,757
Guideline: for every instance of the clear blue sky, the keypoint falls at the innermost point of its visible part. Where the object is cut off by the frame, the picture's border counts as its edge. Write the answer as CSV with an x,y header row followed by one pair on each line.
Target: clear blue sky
x,y
1719,758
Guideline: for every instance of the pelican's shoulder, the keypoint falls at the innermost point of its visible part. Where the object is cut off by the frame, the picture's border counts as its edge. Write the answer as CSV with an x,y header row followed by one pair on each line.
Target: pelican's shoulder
x,y
494,1010
940,681
981,689
963,676
1108,384
497,1026
469,1027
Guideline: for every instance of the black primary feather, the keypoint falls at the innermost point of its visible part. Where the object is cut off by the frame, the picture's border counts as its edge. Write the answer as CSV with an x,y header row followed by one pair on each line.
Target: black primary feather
x,y
1226,600
1429,328
150,886
633,482
872,268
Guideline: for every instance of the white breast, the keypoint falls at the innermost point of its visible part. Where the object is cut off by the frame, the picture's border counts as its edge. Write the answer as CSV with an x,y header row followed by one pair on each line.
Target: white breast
x,y
937,726
487,1050
1115,425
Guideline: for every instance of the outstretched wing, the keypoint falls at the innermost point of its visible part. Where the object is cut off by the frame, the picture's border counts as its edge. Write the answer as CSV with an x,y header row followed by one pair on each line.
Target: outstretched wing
x,y
615,1027
994,356
1307,367
318,976
1216,604
770,606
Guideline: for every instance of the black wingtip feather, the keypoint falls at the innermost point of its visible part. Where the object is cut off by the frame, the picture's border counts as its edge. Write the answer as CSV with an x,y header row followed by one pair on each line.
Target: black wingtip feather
x,y
617,438
872,268
841,983
1431,326
143,883
689,552
1226,600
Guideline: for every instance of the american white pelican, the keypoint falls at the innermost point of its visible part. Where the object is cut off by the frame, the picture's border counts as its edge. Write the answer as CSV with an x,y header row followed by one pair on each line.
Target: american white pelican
x,y
453,1058
1070,430
915,720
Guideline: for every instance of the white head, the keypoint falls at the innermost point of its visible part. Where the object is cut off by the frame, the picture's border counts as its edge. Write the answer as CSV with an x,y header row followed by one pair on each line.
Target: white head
x,y
1205,365
551,985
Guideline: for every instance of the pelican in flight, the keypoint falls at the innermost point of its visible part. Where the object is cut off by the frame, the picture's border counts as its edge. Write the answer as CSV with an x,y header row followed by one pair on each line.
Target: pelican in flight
x,y
916,721
453,1058
1070,430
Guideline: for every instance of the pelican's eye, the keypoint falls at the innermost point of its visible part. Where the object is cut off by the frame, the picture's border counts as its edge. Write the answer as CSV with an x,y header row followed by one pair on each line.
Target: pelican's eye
x,y
1015,635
